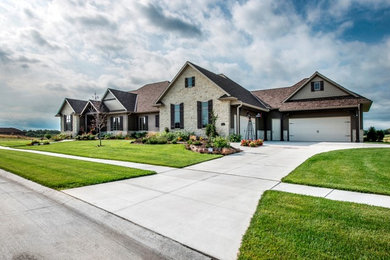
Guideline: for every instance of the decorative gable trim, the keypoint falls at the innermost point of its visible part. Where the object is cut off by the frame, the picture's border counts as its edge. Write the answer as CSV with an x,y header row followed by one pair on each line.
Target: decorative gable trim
x,y
177,76
315,74
62,106
109,91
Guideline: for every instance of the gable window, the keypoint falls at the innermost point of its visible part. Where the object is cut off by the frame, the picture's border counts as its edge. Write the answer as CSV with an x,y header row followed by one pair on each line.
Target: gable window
x,y
117,123
177,116
67,122
204,113
190,82
143,123
317,86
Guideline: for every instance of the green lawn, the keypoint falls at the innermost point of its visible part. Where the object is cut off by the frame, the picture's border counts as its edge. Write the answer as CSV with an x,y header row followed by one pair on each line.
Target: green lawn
x,y
60,173
365,170
291,226
173,155
14,142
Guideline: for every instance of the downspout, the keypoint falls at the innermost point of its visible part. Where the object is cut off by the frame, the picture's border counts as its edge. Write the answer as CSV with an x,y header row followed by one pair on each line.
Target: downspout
x,y
238,119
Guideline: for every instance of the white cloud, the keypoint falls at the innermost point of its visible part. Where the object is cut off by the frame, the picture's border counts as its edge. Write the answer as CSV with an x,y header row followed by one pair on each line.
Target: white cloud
x,y
50,50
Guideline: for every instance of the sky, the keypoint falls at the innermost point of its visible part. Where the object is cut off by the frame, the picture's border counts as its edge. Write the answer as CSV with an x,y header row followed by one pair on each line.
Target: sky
x,y
50,50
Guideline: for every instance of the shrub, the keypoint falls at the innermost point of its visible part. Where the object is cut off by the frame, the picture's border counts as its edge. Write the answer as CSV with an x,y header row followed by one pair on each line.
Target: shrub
x,y
91,137
371,134
189,142
174,141
235,138
196,143
380,134
108,136
252,144
169,135
155,140
46,142
61,137
166,130
34,142
184,135
47,136
138,135
211,129
220,142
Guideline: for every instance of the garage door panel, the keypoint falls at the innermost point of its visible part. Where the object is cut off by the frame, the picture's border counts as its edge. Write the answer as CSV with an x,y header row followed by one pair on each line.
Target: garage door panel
x,y
331,129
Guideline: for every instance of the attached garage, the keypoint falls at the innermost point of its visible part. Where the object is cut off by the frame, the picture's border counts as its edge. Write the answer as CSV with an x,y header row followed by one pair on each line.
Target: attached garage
x,y
320,129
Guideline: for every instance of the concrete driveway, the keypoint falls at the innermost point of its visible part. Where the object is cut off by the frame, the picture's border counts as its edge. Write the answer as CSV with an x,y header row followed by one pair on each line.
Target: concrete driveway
x,y
207,206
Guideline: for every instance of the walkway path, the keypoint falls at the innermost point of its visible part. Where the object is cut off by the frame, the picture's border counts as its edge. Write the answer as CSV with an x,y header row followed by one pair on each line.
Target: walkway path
x,y
208,206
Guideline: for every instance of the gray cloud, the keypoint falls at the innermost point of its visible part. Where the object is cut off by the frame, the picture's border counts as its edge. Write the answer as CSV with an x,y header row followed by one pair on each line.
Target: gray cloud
x,y
40,40
96,22
158,18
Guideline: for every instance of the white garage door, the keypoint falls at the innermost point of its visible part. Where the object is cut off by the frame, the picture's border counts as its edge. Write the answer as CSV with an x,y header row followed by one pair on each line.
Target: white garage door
x,y
327,129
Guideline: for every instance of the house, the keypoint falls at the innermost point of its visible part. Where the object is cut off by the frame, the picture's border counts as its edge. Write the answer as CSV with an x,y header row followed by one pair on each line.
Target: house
x,y
10,131
314,109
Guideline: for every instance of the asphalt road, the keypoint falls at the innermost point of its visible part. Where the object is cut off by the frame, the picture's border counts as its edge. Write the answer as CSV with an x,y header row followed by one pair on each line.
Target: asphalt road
x,y
33,226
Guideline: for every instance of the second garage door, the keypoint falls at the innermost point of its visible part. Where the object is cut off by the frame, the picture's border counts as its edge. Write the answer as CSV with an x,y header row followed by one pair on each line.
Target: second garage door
x,y
321,129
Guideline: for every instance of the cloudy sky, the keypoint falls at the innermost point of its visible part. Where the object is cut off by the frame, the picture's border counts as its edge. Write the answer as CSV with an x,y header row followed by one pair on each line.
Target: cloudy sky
x,y
55,49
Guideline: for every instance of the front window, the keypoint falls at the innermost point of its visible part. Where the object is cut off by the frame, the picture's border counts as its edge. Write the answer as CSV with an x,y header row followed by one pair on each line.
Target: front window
x,y
177,116
116,124
205,113
68,122
142,123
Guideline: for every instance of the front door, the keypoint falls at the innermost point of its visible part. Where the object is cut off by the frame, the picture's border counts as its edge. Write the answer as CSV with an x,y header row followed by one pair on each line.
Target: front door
x,y
275,129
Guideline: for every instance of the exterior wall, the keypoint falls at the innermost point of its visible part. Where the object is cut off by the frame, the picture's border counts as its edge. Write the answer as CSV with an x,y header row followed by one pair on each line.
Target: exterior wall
x,y
329,91
204,90
67,110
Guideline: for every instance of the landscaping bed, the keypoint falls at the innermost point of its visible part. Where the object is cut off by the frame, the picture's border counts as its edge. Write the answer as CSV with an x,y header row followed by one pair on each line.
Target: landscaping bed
x,y
291,226
364,170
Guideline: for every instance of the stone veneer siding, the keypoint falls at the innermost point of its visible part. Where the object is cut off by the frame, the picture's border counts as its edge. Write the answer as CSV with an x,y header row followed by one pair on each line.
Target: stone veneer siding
x,y
203,90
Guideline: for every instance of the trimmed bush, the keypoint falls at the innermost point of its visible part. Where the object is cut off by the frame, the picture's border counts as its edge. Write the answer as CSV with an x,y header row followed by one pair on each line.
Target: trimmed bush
x,y
235,138
220,142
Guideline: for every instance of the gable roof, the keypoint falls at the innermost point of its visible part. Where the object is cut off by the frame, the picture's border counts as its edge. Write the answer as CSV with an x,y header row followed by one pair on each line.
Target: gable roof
x,y
278,98
315,74
128,100
76,105
97,105
231,88
147,96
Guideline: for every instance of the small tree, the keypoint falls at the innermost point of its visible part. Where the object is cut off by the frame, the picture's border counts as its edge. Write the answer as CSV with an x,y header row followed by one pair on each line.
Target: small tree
x,y
371,134
211,129
99,121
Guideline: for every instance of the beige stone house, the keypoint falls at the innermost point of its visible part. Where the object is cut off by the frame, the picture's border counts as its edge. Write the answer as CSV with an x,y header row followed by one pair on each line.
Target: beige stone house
x,y
314,109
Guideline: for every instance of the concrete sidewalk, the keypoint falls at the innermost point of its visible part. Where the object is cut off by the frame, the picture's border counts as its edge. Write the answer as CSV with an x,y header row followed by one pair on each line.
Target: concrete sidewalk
x,y
334,194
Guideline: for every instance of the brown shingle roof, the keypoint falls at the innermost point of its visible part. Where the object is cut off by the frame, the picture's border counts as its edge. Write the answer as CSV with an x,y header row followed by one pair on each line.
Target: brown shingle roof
x,y
147,96
231,87
274,97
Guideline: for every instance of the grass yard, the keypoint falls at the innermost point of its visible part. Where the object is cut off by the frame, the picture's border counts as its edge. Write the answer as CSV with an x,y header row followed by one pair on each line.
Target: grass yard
x,y
365,170
173,155
291,226
14,142
60,173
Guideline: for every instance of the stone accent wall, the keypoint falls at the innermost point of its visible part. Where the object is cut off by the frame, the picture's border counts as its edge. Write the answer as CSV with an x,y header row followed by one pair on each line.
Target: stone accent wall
x,y
204,90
